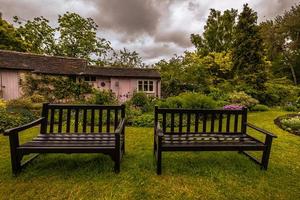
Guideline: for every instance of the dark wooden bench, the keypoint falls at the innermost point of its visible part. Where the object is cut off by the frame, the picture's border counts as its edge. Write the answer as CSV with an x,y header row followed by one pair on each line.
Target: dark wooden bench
x,y
207,130
73,129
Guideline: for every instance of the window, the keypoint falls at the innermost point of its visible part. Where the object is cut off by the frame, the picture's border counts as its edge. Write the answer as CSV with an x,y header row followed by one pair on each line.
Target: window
x,y
90,78
145,86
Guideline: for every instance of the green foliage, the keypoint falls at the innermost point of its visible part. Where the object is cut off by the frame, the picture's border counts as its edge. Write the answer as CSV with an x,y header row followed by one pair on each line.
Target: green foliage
x,y
218,32
139,99
248,63
241,98
189,100
37,98
78,37
290,108
104,97
260,107
39,34
10,38
125,58
145,120
279,94
20,103
13,117
2,104
218,94
55,88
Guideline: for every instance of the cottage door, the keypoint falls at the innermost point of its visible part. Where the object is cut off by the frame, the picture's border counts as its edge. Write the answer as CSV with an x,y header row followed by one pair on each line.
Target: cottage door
x,y
9,83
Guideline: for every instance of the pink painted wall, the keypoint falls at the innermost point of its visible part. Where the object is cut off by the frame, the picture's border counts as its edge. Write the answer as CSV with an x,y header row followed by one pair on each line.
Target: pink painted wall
x,y
9,84
124,88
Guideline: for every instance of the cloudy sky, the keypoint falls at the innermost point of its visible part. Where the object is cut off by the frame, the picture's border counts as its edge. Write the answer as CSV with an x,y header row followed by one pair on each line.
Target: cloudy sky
x,y
156,29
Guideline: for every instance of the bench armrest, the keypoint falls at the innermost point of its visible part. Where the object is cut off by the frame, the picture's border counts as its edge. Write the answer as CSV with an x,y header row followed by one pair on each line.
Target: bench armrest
x,y
23,127
261,130
158,130
120,127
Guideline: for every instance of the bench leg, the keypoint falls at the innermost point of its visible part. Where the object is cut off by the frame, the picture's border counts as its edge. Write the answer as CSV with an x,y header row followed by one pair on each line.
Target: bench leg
x,y
158,161
117,159
266,153
15,156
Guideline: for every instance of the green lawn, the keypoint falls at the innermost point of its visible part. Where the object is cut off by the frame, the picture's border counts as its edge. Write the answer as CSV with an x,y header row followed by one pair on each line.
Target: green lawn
x,y
200,175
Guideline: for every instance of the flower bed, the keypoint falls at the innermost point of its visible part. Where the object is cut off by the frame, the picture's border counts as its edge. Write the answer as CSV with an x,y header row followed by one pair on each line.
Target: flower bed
x,y
290,123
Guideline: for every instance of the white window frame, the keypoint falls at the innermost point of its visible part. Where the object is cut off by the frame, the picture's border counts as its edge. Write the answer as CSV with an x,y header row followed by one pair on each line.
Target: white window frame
x,y
90,79
145,82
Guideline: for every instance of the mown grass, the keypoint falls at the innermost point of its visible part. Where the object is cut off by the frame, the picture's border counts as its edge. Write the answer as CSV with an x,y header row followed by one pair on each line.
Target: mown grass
x,y
200,175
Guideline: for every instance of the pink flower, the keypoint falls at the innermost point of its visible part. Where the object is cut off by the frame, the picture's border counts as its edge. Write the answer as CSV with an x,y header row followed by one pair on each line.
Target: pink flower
x,y
233,107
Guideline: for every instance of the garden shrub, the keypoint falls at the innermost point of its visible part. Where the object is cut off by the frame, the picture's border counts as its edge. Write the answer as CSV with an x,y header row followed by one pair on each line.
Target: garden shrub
x,y
104,97
23,102
260,107
139,99
37,98
279,94
189,100
55,88
218,94
171,102
132,113
290,108
197,101
241,98
2,104
15,117
144,120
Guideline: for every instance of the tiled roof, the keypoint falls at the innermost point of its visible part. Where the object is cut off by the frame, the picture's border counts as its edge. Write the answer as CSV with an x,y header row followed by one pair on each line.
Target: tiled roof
x,y
58,65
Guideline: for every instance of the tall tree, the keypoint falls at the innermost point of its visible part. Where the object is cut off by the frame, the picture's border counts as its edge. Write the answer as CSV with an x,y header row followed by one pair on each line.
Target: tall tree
x,y
78,37
248,63
39,34
218,32
9,37
125,58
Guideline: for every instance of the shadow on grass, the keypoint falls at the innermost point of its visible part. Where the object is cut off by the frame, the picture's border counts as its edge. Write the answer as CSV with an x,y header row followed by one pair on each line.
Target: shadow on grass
x,y
67,165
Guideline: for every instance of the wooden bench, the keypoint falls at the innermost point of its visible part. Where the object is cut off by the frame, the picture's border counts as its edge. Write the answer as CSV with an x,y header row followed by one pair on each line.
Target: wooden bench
x,y
73,129
207,130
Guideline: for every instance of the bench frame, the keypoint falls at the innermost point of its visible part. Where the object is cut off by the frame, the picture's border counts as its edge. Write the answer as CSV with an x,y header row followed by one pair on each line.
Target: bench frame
x,y
159,134
17,152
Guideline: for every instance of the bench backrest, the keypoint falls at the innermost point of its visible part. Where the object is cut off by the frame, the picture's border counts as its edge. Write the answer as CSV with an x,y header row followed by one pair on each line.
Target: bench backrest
x,y
177,121
62,118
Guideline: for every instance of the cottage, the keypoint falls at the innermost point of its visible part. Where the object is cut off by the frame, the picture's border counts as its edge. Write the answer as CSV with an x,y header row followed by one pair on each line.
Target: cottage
x,y
123,82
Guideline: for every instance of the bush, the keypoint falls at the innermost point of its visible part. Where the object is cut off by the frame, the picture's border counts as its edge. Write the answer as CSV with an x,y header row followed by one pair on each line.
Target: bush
x,y
171,102
279,94
132,113
139,99
15,117
197,101
290,108
241,98
189,100
37,98
260,107
23,102
2,104
218,94
105,97
145,120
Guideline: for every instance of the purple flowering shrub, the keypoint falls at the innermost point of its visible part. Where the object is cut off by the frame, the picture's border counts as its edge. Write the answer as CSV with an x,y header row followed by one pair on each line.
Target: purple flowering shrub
x,y
233,107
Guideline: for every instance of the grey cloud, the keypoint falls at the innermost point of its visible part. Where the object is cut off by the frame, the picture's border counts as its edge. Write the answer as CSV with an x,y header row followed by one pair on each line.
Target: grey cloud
x,y
268,9
131,17
178,37
157,50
